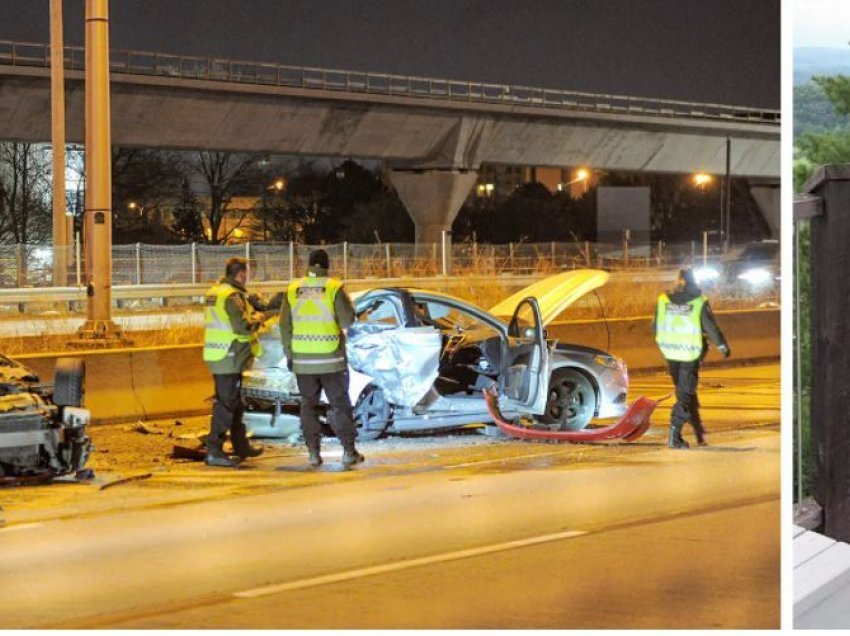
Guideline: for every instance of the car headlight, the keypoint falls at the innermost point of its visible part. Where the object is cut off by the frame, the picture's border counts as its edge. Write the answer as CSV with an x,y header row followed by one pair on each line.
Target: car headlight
x,y
756,276
706,273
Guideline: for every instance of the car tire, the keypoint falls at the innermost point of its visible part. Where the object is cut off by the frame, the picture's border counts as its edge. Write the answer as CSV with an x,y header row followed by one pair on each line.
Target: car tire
x,y
371,413
69,377
571,403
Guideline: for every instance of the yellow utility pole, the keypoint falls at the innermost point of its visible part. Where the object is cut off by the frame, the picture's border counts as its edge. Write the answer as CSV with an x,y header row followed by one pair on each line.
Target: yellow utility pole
x,y
57,103
99,329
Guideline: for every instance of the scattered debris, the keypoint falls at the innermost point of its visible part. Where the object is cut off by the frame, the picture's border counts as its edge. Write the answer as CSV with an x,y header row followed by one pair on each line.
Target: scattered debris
x,y
86,474
147,429
184,452
196,436
125,480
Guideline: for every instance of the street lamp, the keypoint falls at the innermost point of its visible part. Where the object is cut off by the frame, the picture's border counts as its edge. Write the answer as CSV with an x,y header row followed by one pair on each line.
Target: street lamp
x,y
582,176
278,186
133,206
702,179
485,189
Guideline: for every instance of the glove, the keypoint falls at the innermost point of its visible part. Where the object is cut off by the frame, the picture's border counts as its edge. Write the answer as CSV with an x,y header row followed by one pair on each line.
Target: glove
x,y
725,350
289,364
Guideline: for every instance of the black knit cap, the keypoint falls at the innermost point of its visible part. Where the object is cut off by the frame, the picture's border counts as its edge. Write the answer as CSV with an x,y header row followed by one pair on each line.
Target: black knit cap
x,y
319,258
687,275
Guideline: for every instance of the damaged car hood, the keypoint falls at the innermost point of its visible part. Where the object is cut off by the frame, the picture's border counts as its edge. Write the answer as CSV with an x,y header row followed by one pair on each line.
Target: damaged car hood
x,y
554,293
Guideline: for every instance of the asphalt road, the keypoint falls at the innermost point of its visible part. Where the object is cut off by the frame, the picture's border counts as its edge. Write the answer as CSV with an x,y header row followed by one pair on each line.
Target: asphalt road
x,y
490,534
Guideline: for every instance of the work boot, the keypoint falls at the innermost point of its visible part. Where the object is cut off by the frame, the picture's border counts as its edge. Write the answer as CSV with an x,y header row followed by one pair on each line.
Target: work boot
x,y
350,457
699,433
315,458
220,461
676,439
245,450
239,439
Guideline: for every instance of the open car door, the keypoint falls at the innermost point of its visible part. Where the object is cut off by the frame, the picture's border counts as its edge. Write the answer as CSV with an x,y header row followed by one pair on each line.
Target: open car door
x,y
524,376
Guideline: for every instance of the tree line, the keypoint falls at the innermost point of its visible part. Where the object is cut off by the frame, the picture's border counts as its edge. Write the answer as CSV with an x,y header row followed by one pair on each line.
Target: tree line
x,y
162,197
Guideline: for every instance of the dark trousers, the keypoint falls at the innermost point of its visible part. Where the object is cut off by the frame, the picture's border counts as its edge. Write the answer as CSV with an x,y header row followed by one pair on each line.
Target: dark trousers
x,y
340,416
227,414
686,378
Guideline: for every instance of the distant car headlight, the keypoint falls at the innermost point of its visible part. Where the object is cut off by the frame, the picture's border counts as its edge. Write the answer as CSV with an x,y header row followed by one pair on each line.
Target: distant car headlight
x,y
706,273
756,276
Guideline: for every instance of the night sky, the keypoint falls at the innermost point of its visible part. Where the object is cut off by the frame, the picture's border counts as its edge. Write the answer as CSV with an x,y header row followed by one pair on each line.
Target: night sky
x,y
725,51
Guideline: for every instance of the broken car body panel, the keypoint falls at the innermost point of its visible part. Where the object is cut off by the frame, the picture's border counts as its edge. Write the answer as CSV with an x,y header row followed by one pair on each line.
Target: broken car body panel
x,y
554,294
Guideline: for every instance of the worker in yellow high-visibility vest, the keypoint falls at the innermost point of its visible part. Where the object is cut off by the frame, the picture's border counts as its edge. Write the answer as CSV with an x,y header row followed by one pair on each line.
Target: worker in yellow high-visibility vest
x,y
230,344
683,325
314,313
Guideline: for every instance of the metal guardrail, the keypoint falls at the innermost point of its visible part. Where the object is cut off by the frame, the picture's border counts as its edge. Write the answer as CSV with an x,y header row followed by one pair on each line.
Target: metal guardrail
x,y
25,295
365,82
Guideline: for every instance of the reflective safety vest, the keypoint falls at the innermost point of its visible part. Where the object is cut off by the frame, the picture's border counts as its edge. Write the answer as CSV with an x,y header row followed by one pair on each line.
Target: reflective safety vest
x,y
315,332
218,332
678,329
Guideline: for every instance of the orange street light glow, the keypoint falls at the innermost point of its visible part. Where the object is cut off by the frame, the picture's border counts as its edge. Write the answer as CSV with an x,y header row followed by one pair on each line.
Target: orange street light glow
x,y
701,179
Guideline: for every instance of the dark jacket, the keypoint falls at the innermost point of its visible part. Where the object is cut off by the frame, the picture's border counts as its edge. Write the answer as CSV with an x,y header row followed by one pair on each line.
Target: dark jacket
x,y
344,314
239,356
710,329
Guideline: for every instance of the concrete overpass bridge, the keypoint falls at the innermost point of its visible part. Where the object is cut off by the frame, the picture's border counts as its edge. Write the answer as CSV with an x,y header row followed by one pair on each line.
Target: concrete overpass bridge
x,y
433,134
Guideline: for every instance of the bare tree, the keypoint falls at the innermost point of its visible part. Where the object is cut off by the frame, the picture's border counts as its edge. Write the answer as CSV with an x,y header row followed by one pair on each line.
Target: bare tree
x,y
25,214
227,174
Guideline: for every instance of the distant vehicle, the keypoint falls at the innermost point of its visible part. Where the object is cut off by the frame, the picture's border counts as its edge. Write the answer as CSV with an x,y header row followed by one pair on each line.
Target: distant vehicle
x,y
756,266
42,428
420,360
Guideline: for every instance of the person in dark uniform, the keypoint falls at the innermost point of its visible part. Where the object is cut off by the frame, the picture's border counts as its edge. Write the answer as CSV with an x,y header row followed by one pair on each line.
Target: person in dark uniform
x,y
230,344
683,325
314,312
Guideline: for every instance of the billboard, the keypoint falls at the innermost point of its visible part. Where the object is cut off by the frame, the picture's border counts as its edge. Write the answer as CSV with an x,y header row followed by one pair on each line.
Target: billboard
x,y
621,208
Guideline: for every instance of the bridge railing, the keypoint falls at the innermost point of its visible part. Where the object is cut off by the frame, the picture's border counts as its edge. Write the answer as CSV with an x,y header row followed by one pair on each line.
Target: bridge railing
x,y
211,68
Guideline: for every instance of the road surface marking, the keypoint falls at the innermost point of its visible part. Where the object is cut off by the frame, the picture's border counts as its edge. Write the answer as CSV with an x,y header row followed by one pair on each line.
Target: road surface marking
x,y
504,459
22,526
404,565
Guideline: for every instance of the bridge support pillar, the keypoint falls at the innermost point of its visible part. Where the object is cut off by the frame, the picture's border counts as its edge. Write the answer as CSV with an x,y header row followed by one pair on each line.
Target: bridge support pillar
x,y
769,199
432,198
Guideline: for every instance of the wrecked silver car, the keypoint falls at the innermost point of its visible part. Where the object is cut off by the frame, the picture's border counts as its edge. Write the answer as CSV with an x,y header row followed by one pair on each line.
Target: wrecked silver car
x,y
42,428
420,360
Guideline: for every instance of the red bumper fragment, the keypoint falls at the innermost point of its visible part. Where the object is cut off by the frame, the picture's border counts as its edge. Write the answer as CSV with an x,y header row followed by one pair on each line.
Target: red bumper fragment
x,y
630,427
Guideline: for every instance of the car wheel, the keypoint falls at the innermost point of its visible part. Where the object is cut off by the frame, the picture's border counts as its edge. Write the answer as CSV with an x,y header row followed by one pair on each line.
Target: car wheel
x,y
571,403
68,382
371,413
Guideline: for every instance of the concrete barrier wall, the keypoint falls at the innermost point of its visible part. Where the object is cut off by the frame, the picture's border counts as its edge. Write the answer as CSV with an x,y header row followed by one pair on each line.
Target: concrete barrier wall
x,y
752,335
130,384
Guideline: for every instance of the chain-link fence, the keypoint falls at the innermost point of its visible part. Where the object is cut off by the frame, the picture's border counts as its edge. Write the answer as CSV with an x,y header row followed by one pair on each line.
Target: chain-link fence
x,y
139,264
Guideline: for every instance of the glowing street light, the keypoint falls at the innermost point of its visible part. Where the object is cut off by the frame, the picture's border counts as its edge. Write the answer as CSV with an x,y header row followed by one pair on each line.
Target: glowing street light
x,y
133,207
279,185
582,175
702,179
485,189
